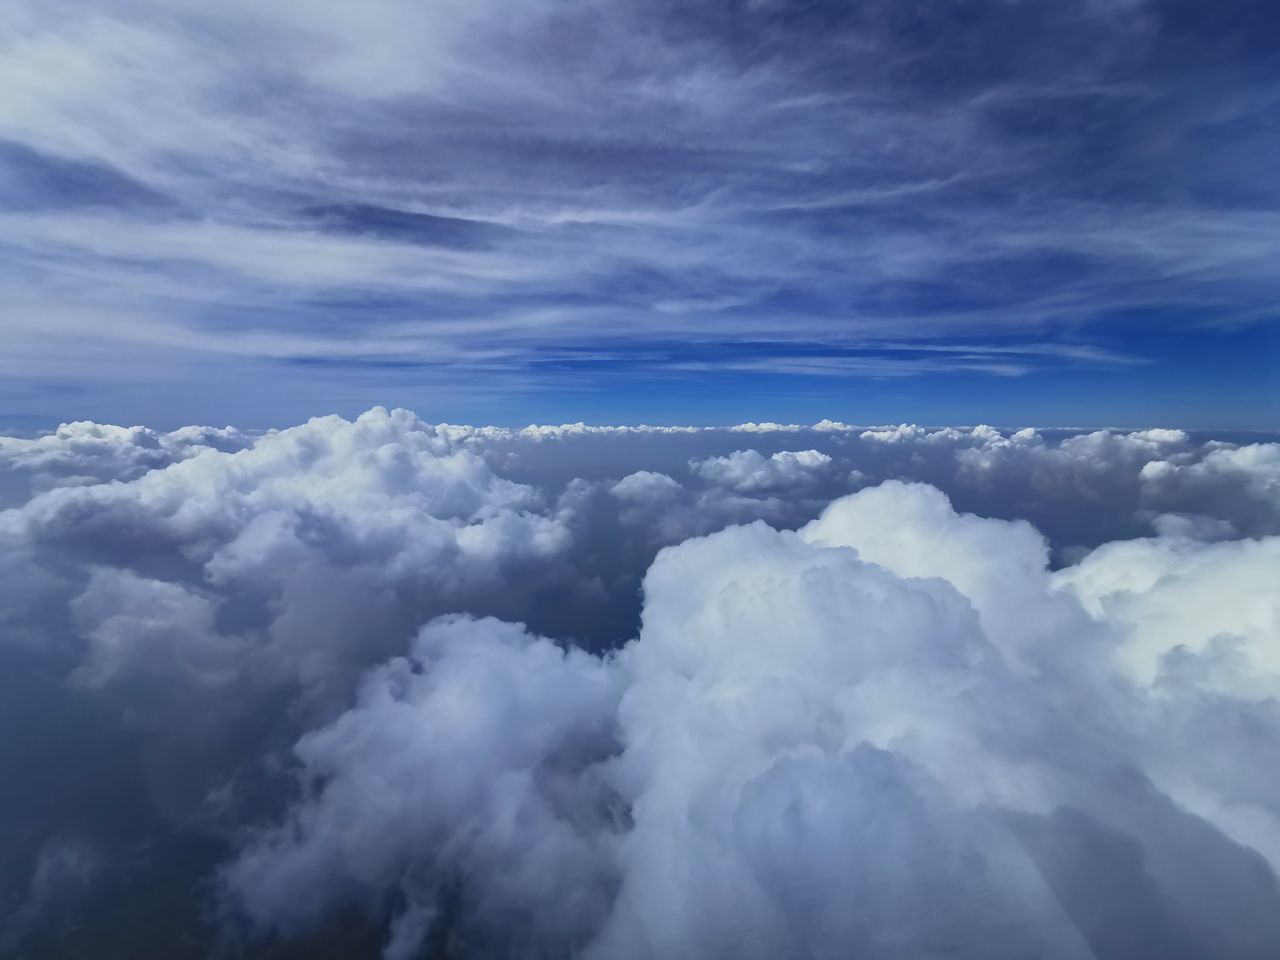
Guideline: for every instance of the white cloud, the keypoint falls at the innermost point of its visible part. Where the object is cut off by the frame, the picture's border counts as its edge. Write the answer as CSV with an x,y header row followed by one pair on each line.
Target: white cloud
x,y
824,723
645,485
893,729
469,761
1179,593
749,471
906,432
1238,484
766,427
82,453
324,531
1089,462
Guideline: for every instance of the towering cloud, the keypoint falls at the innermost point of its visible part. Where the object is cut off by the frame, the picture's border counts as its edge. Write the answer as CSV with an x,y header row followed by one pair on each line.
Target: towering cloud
x,y
891,731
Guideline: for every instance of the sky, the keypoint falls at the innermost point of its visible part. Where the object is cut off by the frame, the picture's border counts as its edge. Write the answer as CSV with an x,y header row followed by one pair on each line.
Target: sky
x,y
639,479
1011,212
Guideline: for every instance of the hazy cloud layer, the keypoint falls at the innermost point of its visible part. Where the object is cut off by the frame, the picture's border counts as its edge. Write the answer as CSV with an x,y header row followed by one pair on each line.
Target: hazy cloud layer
x,y
390,686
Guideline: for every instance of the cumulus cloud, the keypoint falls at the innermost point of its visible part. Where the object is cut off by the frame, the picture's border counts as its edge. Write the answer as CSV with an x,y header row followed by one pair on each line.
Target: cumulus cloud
x,y
748,470
230,594
1086,461
863,737
1235,484
467,764
1083,488
668,679
84,453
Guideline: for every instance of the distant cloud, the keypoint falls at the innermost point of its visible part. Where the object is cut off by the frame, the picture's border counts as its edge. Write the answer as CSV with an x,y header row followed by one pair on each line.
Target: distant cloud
x,y
748,471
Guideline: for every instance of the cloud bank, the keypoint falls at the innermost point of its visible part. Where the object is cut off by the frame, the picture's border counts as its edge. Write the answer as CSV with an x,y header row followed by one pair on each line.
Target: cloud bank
x,y
386,687
843,739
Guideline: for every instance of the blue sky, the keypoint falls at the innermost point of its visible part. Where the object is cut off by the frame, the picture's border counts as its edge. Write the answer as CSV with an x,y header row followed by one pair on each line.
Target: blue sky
x,y
1013,212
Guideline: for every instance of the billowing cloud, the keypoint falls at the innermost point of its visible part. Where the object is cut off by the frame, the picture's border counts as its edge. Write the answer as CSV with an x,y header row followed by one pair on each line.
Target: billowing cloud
x,y
867,736
211,590
747,470
463,770
84,453
1239,485
384,685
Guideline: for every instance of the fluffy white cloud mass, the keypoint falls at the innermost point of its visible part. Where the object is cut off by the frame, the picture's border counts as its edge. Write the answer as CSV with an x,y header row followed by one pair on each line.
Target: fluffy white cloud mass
x,y
893,733
748,470
382,686
85,453
317,524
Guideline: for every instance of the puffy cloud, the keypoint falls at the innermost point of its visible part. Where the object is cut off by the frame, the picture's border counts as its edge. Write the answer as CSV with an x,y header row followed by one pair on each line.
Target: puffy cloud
x,y
1240,484
1180,594
749,470
1201,624
84,453
1080,489
1193,526
832,426
1087,488
909,432
766,427
230,595
892,730
467,763
208,606
536,431
780,697
1088,466
646,485
1001,567
823,721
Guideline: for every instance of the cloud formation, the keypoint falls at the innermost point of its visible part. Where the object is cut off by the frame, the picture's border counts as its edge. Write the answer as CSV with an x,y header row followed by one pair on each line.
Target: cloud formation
x,y
747,470
85,453
803,752
380,685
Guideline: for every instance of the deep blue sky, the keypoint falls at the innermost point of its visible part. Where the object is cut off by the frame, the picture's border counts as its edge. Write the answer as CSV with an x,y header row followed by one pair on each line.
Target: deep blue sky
x,y
1059,213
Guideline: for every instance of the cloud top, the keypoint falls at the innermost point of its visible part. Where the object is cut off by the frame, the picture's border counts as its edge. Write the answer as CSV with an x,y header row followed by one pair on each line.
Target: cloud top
x,y
818,742
385,686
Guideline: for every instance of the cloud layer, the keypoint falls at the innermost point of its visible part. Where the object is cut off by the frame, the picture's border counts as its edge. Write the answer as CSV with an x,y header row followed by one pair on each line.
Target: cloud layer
x,y
386,686
803,753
